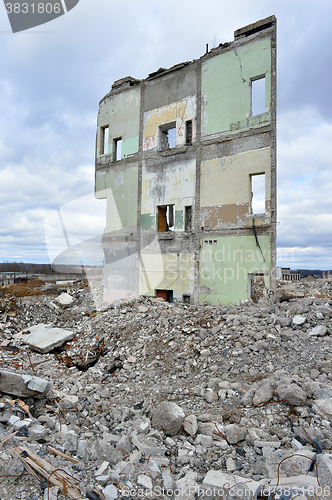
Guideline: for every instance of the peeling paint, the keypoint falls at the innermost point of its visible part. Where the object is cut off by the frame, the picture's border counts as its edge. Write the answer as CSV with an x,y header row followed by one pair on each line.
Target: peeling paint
x,y
178,112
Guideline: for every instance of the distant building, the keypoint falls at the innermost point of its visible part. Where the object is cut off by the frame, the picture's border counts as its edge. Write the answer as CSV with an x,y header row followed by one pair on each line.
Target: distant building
x,y
187,161
285,274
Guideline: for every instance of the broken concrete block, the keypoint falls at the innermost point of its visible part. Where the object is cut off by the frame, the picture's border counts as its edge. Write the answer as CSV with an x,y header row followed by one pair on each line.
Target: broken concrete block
x,y
124,444
299,320
52,305
110,492
169,483
190,425
319,331
292,393
64,300
323,406
216,478
293,464
206,441
144,481
22,385
43,338
168,416
148,445
210,396
288,293
263,393
235,433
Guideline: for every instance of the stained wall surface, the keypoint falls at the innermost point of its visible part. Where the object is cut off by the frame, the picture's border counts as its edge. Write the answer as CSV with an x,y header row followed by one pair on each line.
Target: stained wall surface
x,y
226,188
222,143
121,113
226,264
172,183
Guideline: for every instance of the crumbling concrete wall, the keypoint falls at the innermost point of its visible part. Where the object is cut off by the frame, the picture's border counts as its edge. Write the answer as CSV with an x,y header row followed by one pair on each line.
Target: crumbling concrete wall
x,y
182,213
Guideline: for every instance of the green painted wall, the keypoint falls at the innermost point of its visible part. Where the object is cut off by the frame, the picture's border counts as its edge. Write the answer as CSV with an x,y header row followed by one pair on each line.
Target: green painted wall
x,y
121,189
225,264
226,88
148,221
178,223
121,113
168,271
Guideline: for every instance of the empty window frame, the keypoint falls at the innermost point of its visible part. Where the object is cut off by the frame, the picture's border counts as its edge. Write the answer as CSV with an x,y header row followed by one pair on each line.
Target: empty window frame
x,y
104,135
117,149
166,215
258,95
257,186
189,132
186,298
167,136
188,218
167,295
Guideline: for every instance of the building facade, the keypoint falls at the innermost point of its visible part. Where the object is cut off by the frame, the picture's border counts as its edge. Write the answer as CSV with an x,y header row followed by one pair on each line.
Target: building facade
x,y
187,161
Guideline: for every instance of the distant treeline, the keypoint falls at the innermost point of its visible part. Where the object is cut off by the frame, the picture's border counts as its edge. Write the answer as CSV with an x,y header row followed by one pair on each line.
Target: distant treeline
x,y
29,268
317,273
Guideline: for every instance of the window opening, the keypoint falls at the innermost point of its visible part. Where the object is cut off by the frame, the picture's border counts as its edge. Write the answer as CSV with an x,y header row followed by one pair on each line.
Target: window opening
x,y
118,149
168,136
186,298
166,215
165,294
258,96
104,140
189,132
188,219
257,193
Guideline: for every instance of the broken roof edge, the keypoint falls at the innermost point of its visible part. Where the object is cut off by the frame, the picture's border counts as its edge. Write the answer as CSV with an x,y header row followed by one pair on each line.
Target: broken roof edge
x,y
252,28
128,82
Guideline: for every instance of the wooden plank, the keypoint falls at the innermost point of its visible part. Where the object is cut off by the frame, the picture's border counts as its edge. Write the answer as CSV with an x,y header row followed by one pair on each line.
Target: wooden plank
x,y
59,477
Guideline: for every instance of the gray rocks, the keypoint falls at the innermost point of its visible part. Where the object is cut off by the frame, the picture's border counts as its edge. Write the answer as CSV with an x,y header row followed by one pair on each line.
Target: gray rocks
x,y
291,392
234,433
190,424
168,417
23,385
263,393
210,396
299,320
318,331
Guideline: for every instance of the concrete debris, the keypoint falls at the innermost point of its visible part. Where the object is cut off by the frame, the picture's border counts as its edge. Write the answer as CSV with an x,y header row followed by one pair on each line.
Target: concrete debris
x,y
319,330
150,395
22,385
64,300
43,338
168,416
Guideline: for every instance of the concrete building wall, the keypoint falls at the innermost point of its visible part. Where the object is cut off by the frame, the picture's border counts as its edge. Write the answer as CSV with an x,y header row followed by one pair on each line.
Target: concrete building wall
x,y
178,112
226,189
226,88
173,183
121,113
221,110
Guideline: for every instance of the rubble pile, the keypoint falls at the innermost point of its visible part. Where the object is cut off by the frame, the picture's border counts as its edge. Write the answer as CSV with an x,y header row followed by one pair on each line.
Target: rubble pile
x,y
150,399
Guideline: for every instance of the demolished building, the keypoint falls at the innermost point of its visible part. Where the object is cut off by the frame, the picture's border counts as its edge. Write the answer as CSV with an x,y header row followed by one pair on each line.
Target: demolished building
x,y
187,161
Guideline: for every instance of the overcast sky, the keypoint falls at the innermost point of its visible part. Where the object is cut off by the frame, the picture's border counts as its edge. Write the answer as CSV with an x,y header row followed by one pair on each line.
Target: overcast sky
x,y
52,78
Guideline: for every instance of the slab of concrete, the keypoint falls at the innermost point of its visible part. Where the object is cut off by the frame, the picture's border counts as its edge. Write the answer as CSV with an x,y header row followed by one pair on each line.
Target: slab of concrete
x,y
64,300
43,338
22,385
